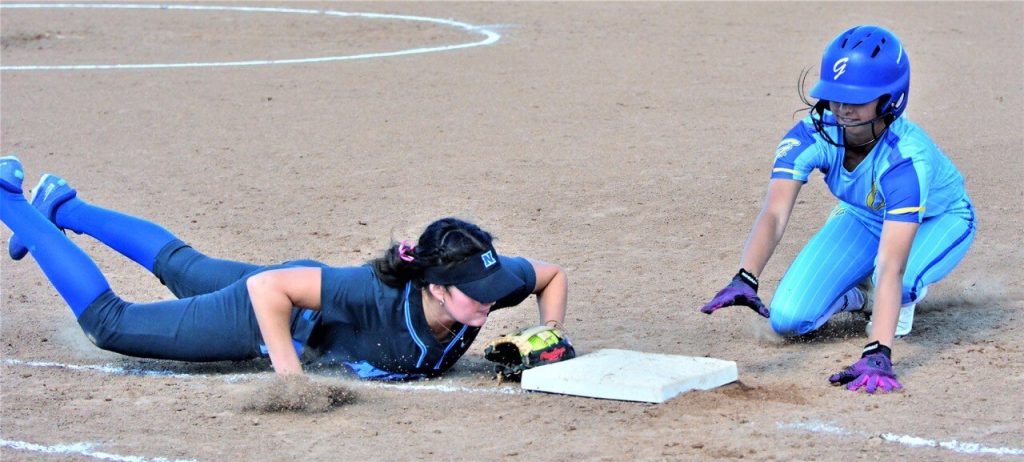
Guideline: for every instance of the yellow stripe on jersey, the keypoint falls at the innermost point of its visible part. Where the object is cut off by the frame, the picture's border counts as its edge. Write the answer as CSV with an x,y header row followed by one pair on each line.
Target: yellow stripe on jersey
x,y
903,210
785,170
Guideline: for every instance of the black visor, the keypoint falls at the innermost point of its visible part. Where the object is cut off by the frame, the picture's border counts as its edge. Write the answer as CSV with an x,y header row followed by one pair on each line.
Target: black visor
x,y
480,276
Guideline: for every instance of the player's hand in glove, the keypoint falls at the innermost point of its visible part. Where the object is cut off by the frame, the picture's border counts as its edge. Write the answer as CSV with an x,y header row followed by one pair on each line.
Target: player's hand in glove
x,y
531,347
742,290
873,371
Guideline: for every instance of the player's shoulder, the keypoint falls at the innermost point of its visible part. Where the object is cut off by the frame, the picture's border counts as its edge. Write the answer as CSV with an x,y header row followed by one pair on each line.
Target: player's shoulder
x,y
520,266
907,140
349,275
802,140
908,133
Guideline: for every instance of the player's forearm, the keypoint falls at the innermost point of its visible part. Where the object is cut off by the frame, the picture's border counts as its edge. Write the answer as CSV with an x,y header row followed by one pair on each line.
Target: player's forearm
x,y
552,299
886,310
893,251
764,238
273,313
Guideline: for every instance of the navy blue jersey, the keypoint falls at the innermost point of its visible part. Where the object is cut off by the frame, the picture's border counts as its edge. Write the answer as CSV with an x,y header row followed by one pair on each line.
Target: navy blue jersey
x,y
381,332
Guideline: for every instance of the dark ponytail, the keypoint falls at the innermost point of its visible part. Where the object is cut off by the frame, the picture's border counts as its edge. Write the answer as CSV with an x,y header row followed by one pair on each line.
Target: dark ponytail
x,y
392,269
444,243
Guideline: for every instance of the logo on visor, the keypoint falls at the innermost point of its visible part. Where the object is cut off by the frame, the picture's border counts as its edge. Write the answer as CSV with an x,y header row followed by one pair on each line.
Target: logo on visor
x,y
488,259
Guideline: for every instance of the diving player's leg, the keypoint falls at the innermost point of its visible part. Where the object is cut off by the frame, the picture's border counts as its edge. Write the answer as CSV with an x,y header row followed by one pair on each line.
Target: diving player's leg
x,y
185,271
59,203
75,276
218,326
188,272
818,283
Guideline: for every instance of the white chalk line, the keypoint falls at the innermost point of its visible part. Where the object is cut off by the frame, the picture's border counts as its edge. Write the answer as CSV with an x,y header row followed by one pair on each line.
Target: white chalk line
x,y
84,449
490,37
814,427
448,387
961,447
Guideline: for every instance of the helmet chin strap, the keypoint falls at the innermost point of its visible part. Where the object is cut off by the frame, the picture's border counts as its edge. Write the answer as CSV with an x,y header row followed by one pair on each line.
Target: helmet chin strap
x,y
874,136
819,126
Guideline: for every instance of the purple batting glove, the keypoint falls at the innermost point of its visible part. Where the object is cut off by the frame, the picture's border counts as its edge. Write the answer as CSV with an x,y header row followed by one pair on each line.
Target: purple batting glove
x,y
742,290
873,372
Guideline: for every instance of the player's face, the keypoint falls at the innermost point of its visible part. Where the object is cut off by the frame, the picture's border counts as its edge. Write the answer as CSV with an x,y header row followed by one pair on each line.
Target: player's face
x,y
855,118
464,309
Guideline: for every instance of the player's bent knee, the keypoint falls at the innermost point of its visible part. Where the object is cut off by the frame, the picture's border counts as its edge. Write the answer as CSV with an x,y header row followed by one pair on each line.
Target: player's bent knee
x,y
100,316
787,325
912,293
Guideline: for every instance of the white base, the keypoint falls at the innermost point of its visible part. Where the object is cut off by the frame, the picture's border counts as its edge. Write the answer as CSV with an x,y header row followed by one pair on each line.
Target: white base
x,y
630,375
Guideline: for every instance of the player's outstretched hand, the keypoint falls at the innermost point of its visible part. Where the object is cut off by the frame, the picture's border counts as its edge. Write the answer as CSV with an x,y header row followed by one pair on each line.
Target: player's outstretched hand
x,y
742,290
873,372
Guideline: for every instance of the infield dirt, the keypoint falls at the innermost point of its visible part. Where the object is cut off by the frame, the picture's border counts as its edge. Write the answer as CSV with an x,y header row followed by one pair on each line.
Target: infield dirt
x,y
628,142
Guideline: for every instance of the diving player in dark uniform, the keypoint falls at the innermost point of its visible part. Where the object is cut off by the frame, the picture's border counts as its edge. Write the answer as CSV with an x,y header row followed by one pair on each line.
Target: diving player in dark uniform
x,y
409,314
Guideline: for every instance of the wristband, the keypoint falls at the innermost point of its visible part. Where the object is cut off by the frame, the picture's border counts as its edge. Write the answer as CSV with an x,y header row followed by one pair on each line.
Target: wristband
x,y
748,278
875,347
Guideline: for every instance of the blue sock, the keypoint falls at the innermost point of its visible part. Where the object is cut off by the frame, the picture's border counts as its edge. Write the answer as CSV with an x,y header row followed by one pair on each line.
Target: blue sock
x,y
75,276
135,238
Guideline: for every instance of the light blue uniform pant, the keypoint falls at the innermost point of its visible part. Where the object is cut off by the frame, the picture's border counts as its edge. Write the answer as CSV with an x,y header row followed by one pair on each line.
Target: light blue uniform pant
x,y
844,252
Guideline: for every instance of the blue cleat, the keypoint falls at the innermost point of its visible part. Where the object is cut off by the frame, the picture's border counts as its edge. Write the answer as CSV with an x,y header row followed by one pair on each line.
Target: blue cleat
x,y
49,193
11,174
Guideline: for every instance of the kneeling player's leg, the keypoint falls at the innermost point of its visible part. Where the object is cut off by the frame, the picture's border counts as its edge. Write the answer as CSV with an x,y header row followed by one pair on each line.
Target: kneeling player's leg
x,y
940,244
815,286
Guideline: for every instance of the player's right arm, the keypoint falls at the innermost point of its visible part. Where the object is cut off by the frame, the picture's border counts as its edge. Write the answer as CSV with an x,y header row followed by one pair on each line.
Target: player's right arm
x,y
273,294
795,157
770,224
799,153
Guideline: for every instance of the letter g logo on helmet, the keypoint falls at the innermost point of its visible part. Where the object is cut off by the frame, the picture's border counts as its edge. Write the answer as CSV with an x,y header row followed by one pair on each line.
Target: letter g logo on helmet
x,y
839,67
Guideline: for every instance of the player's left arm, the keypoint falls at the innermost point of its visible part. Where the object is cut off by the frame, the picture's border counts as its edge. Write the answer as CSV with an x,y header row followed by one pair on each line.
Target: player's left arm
x,y
552,290
893,252
904,187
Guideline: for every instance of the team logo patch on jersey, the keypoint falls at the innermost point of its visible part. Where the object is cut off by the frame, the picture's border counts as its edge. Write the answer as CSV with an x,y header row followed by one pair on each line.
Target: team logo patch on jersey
x,y
488,259
874,201
785,146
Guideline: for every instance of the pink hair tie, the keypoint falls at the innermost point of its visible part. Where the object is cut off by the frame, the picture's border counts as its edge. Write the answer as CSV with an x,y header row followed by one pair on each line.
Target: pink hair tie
x,y
405,251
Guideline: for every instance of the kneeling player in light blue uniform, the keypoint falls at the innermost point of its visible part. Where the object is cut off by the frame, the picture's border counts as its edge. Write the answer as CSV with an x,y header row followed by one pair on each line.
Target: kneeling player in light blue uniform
x,y
410,314
903,221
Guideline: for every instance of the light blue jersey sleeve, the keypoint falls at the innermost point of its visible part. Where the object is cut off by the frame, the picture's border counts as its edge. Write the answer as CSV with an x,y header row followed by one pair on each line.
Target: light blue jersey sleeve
x,y
798,154
917,180
905,187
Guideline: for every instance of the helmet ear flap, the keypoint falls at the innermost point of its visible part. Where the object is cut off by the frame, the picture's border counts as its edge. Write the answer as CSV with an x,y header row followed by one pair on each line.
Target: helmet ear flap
x,y
883,105
886,109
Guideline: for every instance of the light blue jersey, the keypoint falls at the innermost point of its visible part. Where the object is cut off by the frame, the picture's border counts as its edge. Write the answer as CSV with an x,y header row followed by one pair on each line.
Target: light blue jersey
x,y
905,178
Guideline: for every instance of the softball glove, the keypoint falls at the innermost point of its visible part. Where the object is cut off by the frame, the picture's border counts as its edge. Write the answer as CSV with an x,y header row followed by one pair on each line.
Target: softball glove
x,y
535,346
